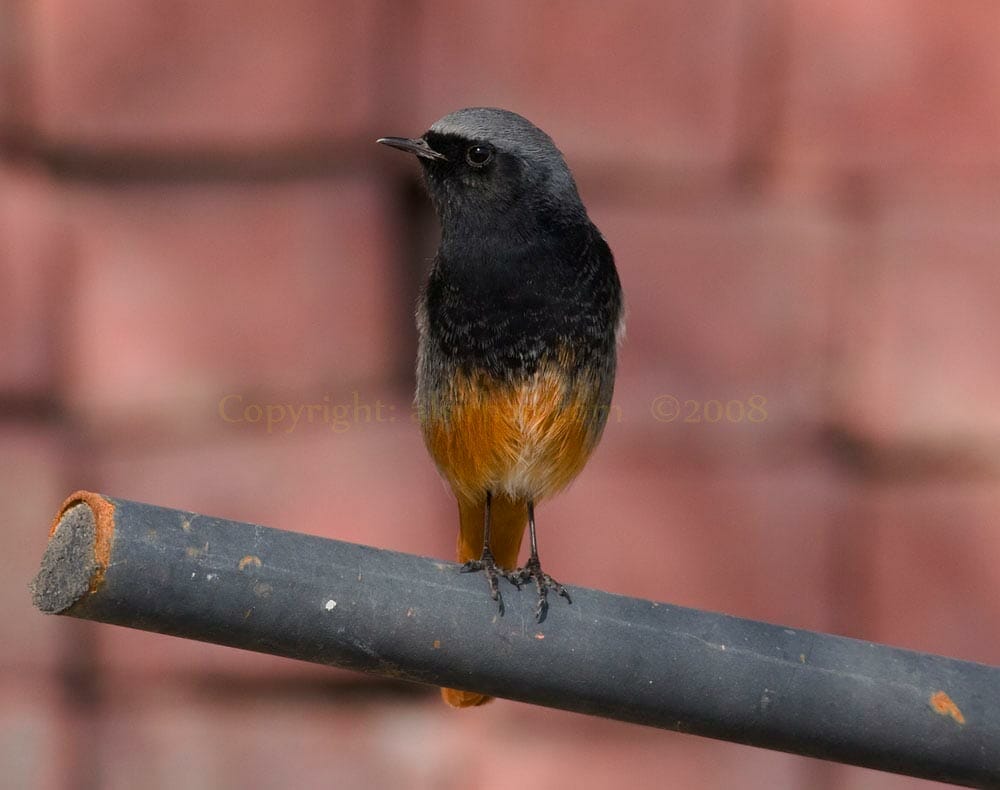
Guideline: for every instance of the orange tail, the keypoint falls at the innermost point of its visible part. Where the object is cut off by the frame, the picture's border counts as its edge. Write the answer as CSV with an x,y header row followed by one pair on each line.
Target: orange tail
x,y
508,520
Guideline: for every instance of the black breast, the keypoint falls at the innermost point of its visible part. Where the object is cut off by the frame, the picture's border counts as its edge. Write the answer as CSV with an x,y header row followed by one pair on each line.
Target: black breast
x,y
501,306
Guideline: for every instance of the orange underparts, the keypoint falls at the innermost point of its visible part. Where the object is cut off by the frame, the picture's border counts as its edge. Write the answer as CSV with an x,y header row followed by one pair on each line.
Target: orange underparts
x,y
526,439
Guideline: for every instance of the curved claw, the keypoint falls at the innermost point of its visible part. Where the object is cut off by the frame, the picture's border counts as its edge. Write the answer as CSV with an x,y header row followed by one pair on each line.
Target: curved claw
x,y
493,572
543,583
513,578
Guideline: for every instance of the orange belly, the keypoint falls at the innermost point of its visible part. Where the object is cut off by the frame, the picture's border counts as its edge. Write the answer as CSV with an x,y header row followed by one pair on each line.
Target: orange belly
x,y
525,440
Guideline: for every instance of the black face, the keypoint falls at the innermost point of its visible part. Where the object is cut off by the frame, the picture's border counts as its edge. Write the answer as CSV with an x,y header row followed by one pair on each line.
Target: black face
x,y
476,176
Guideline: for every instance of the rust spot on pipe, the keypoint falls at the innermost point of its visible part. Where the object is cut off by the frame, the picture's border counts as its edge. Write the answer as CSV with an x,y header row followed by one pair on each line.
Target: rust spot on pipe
x,y
196,551
943,704
248,560
104,529
262,590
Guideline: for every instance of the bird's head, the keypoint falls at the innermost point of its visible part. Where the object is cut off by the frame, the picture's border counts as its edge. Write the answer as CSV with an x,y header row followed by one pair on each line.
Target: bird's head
x,y
486,167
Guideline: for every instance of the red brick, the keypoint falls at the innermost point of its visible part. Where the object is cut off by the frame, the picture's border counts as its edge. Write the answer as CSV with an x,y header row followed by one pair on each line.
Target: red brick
x,y
918,362
845,777
13,46
893,85
632,82
32,737
188,293
753,542
220,74
931,550
373,484
726,302
569,750
249,740
237,740
31,488
31,265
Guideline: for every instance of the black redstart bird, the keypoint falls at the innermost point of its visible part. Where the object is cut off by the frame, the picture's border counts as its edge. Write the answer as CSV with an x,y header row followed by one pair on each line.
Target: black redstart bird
x,y
519,323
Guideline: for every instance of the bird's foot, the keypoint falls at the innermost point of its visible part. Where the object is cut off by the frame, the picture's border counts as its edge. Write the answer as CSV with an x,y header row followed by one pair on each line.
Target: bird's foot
x,y
543,583
488,565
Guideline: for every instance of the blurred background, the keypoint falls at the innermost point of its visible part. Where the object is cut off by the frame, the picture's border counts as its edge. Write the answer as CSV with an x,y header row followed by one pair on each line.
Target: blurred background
x,y
196,228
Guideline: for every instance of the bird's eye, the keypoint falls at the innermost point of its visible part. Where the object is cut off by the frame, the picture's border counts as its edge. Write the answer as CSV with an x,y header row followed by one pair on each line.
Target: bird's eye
x,y
479,155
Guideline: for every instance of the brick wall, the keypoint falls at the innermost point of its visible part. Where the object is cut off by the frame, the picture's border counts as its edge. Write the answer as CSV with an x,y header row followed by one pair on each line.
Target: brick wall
x,y
802,198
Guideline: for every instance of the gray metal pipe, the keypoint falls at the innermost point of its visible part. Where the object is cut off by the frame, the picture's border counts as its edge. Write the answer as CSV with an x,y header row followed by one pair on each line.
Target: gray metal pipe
x,y
419,619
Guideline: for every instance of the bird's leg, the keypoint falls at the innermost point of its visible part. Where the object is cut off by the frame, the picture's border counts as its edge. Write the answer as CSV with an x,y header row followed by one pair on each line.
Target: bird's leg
x,y
486,562
533,570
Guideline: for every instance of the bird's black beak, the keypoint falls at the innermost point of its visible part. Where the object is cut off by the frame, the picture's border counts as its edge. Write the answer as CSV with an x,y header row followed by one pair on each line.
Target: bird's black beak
x,y
416,145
